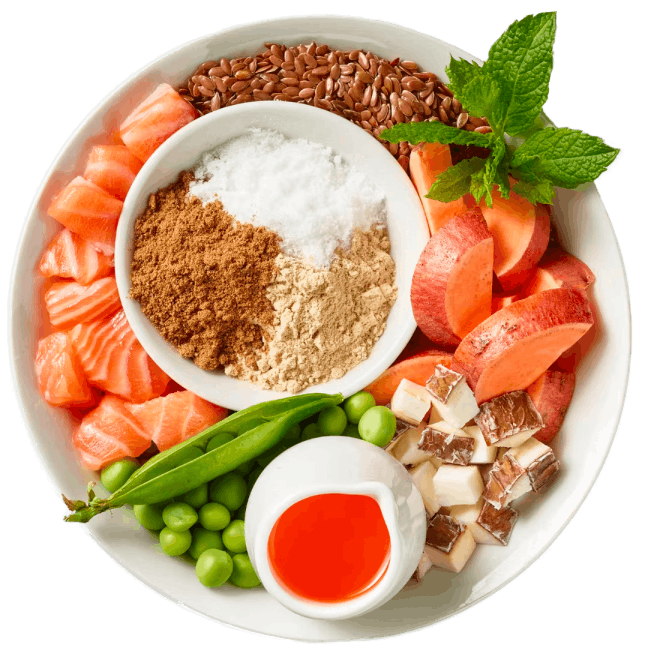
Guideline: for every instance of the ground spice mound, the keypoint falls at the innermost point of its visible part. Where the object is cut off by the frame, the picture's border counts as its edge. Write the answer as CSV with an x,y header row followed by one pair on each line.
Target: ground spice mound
x,y
201,277
327,320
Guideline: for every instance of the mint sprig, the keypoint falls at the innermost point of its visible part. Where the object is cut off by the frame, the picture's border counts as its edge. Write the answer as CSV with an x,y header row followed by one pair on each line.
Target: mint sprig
x,y
510,90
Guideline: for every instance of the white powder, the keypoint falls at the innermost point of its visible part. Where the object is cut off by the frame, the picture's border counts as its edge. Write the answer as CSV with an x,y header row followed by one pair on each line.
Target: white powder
x,y
302,190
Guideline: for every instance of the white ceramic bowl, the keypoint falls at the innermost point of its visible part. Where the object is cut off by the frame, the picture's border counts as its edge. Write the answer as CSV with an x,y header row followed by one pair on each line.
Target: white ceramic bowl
x,y
406,222
588,431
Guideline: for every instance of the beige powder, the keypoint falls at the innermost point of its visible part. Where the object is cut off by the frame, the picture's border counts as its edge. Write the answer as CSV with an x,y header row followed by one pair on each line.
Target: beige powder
x,y
326,320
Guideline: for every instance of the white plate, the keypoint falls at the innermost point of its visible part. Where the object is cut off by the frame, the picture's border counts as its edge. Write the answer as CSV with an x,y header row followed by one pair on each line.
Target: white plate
x,y
582,446
408,232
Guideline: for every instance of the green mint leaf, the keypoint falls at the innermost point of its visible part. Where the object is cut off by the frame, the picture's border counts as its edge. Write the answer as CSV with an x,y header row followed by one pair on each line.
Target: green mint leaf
x,y
537,125
529,171
483,97
521,61
542,192
494,171
478,189
563,156
460,73
502,178
435,131
454,182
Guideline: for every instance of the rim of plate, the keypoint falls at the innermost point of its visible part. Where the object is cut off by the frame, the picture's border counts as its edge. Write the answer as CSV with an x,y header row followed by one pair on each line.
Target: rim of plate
x,y
13,335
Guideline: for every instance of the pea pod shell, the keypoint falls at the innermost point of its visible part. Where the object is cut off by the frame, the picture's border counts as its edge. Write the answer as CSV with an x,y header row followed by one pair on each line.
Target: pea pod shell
x,y
222,459
235,424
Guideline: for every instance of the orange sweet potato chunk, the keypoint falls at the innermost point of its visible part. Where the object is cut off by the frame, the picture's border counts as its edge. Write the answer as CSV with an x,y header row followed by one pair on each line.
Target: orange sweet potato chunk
x,y
418,369
518,343
453,280
426,163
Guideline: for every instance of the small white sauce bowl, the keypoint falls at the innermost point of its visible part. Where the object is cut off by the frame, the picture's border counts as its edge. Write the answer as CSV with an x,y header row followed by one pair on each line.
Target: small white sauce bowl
x,y
405,220
338,465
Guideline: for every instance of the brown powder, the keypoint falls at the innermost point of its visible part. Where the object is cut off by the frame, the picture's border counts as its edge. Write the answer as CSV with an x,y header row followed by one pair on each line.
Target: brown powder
x,y
201,277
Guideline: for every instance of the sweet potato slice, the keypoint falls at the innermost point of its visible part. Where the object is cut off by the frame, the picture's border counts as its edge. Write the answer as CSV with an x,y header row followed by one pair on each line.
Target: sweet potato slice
x,y
426,163
500,300
516,345
551,394
521,235
418,369
453,280
558,269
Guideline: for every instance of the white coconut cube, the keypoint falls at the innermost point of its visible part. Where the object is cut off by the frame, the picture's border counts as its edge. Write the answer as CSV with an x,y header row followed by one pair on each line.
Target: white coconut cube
x,y
482,452
494,529
424,566
435,416
452,397
455,560
406,449
467,514
455,485
423,476
410,402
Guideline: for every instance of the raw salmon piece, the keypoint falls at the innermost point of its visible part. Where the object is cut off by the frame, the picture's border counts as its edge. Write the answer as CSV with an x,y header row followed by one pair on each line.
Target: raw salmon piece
x,y
89,211
68,255
59,372
160,115
112,168
171,419
69,303
115,361
108,433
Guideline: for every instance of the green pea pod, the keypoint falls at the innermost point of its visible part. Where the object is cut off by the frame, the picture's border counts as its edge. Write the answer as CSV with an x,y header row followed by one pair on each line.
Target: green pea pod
x,y
223,459
180,479
236,424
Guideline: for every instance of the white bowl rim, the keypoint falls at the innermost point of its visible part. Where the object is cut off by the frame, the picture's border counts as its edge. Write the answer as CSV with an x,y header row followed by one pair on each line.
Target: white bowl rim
x,y
18,382
243,394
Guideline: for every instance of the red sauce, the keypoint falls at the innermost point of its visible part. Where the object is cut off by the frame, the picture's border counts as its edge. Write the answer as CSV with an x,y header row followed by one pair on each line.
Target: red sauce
x,y
330,548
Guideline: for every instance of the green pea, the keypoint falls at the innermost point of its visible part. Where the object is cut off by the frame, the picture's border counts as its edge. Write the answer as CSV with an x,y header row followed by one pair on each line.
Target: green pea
x,y
311,431
309,420
213,516
149,516
197,497
192,453
355,406
244,468
351,430
269,455
240,514
243,574
292,437
332,421
254,475
219,440
214,567
234,537
204,539
230,491
377,425
179,516
174,543
113,477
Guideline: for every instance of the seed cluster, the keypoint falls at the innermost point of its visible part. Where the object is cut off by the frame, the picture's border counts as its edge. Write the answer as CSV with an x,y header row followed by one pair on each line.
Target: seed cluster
x,y
370,91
